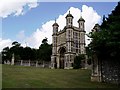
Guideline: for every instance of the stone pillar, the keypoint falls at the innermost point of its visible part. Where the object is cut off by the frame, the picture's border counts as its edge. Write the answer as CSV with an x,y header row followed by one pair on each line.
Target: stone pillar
x,y
96,71
12,61
5,62
43,64
29,63
52,62
36,63
58,62
86,58
21,62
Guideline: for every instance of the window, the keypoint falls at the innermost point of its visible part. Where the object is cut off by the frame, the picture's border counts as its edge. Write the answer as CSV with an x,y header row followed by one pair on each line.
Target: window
x,y
76,45
70,58
76,34
81,24
76,50
69,20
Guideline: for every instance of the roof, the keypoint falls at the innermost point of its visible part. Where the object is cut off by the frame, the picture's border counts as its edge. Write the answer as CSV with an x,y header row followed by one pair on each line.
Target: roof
x,y
55,24
81,19
69,15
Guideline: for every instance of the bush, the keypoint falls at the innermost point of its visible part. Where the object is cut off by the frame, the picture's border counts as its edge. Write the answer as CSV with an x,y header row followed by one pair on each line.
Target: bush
x,y
77,61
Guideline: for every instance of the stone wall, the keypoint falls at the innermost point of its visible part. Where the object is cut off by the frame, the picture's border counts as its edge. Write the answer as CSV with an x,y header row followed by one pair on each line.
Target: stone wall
x,y
105,71
30,63
110,71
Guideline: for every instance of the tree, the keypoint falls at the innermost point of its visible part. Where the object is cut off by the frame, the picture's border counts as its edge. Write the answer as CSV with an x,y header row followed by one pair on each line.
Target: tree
x,y
16,50
77,61
45,51
89,55
44,41
6,55
106,42
15,43
26,53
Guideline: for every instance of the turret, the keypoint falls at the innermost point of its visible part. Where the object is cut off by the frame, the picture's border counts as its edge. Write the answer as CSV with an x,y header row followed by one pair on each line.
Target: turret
x,y
69,20
55,28
81,22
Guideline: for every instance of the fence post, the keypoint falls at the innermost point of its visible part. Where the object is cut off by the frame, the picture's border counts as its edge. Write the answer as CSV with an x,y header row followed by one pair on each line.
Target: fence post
x,y
29,62
36,63
21,63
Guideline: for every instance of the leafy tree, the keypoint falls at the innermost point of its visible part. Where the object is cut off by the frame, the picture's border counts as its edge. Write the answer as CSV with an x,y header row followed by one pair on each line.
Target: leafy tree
x,y
16,50
89,54
6,55
106,42
15,43
26,53
44,41
45,51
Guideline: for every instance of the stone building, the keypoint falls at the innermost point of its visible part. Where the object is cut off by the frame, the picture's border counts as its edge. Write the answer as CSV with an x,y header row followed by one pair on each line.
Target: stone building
x,y
67,43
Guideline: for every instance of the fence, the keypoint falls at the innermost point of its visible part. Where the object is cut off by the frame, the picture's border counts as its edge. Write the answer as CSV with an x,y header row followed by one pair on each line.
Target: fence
x,y
43,64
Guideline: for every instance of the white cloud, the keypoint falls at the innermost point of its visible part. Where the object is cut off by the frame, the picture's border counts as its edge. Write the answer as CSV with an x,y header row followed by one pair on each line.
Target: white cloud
x,y
21,35
5,43
36,38
8,7
88,13
91,18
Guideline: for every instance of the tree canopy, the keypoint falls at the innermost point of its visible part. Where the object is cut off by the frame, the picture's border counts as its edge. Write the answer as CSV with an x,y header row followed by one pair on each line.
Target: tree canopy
x,y
26,53
106,42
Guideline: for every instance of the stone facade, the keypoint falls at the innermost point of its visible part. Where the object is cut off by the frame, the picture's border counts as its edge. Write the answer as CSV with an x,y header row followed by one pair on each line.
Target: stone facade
x,y
67,43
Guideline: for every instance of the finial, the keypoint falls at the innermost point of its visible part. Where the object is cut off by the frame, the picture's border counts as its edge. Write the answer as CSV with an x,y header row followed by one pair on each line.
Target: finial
x,y
69,11
55,20
80,16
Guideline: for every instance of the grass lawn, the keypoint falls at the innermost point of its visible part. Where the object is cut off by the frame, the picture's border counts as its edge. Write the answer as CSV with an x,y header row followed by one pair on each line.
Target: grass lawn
x,y
32,77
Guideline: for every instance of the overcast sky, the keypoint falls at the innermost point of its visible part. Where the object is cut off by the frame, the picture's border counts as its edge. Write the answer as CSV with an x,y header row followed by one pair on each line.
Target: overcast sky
x,y
31,22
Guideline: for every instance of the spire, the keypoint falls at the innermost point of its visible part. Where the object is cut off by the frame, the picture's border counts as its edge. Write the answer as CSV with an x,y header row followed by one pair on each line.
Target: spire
x,y
55,24
69,15
81,19
55,20
80,16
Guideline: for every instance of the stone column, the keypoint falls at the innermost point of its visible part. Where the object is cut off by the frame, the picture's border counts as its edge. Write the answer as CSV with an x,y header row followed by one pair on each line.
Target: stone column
x,y
96,75
52,62
21,62
12,61
86,58
58,62
43,64
29,62
5,62
36,63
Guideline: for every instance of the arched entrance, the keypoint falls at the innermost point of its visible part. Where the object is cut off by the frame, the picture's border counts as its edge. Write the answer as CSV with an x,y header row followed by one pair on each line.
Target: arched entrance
x,y
62,51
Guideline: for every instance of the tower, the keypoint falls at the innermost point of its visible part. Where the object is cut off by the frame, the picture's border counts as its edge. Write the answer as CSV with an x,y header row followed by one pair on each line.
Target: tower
x,y
69,55
69,20
67,43
81,22
54,45
69,31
